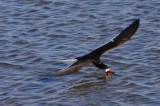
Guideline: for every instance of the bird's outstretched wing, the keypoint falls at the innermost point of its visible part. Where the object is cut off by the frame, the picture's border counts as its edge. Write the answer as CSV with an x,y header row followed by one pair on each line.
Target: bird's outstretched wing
x,y
73,68
124,36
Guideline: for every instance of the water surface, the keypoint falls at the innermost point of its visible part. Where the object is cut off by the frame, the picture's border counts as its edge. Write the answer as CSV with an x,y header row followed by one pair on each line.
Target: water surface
x,y
35,35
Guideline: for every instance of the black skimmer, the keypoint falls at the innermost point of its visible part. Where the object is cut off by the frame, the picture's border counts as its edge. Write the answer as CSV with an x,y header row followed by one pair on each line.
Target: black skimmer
x,y
94,56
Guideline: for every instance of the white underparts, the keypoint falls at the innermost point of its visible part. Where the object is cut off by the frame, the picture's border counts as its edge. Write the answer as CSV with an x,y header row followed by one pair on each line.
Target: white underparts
x,y
107,70
112,40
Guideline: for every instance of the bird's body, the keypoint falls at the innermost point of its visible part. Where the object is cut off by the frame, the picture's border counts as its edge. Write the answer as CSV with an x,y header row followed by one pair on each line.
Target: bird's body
x,y
93,58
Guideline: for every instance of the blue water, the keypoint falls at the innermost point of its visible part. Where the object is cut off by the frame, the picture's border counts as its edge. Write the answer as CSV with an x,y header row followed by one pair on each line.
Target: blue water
x,y
35,35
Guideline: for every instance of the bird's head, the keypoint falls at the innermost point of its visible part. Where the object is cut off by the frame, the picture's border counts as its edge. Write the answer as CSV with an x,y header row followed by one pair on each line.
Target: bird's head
x,y
108,71
103,66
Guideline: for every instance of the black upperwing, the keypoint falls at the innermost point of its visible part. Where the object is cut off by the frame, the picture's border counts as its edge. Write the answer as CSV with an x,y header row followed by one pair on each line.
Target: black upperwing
x,y
124,36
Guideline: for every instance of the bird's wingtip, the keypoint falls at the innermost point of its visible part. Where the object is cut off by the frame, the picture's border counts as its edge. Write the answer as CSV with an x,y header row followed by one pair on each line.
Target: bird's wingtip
x,y
137,20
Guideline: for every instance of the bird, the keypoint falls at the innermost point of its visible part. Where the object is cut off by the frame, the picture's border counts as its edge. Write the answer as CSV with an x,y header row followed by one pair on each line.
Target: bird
x,y
93,58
